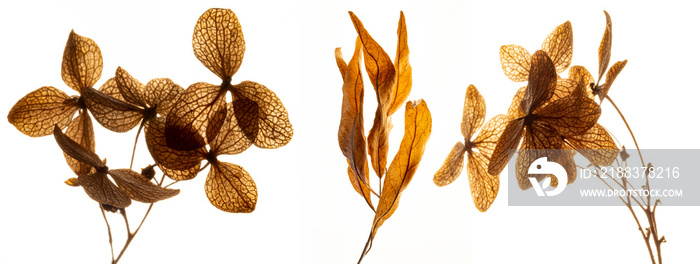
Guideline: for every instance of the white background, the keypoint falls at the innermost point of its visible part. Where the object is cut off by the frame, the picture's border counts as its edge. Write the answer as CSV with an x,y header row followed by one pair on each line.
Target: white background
x,y
307,211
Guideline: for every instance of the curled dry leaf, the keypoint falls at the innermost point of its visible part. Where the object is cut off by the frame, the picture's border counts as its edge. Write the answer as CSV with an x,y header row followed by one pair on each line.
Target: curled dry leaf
x,y
351,132
418,126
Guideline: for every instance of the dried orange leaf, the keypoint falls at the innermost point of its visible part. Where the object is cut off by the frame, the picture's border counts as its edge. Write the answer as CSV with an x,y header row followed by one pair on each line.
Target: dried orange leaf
x,y
515,61
230,188
605,46
473,113
75,150
231,139
139,188
596,145
187,121
378,64
37,112
559,46
82,62
80,130
342,66
571,115
452,167
176,164
218,42
129,87
404,73
378,143
111,113
418,126
541,82
610,77
351,131
359,183
509,140
101,189
270,115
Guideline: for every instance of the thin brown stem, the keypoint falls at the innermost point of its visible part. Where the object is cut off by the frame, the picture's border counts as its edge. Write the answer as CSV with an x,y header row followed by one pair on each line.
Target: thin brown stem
x,y
109,232
368,246
136,140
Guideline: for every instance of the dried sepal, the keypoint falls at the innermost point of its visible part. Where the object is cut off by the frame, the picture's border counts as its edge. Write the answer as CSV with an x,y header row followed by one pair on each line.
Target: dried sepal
x,y
610,78
605,46
218,42
571,115
509,140
230,188
99,188
515,61
176,164
73,182
36,113
82,62
559,46
129,87
73,149
272,127
230,140
110,89
187,121
111,113
452,167
473,112
80,130
539,141
541,82
597,145
162,93
139,188
483,185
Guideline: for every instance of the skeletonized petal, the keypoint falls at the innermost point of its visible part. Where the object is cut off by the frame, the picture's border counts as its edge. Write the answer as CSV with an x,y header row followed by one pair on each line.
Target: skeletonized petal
x,y
230,188
473,113
559,45
176,164
571,115
139,188
188,120
82,62
101,189
508,140
596,145
111,113
231,140
538,141
271,118
80,130
515,61
130,88
37,112
541,83
605,46
218,42
452,167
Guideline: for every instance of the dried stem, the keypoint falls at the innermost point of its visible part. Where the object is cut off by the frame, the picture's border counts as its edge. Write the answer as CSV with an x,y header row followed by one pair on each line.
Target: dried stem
x,y
109,232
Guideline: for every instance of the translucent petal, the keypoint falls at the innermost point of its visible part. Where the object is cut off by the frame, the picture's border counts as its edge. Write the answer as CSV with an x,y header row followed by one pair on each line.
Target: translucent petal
x,y
230,188
559,46
218,42
452,167
111,113
37,112
162,93
515,61
473,113
231,140
101,189
186,123
139,188
176,164
272,120
80,130
130,88
82,62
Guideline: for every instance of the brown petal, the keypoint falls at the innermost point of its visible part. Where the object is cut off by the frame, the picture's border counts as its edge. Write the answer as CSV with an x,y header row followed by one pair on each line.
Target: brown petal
x,y
515,61
610,77
111,113
130,88
452,167
231,139
514,110
596,145
176,164
102,190
583,79
230,188
187,122
80,130
404,73
82,62
605,46
139,188
482,185
37,112
110,88
272,120
418,126
539,141
571,115
559,46
162,93
473,113
509,140
541,82
74,150
218,42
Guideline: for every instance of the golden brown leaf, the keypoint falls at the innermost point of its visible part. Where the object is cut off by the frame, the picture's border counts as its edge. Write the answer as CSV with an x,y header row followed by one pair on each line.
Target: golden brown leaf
x,y
36,113
230,188
559,46
351,131
571,115
271,119
378,64
186,124
176,164
596,145
82,62
404,73
452,167
111,113
378,143
509,140
605,46
515,61
99,188
139,188
359,183
80,130
218,42
418,126
342,66
473,113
